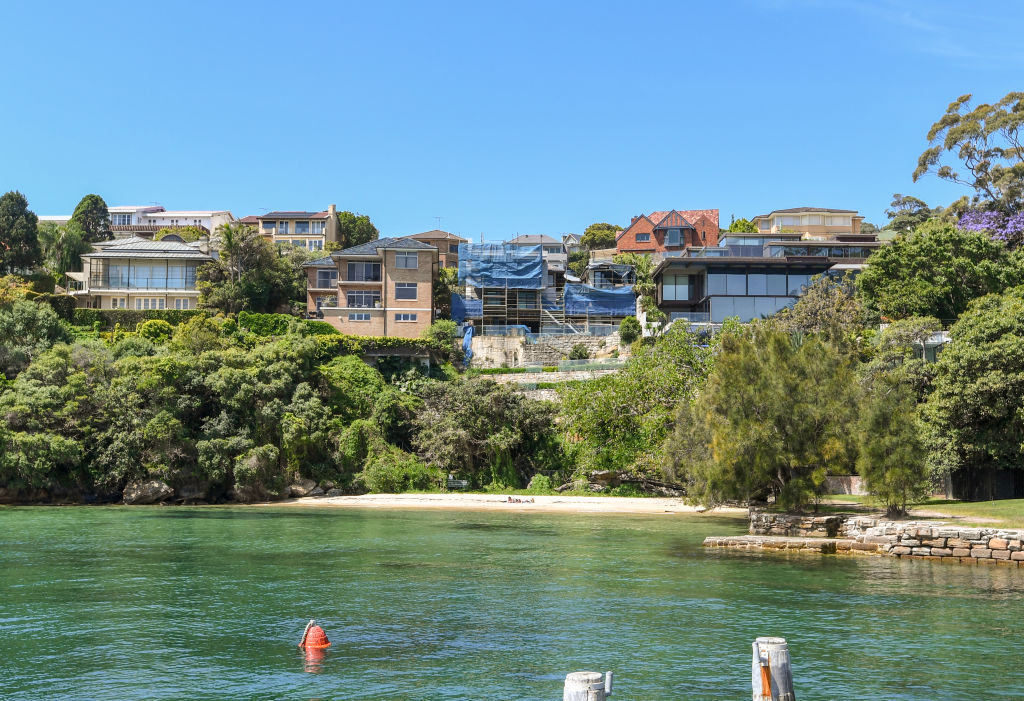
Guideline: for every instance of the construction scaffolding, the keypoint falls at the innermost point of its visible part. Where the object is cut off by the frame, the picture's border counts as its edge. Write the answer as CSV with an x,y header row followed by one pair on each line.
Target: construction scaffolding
x,y
511,290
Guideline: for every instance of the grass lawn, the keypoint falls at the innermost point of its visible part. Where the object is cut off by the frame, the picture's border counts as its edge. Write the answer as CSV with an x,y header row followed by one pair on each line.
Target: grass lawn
x,y
1005,513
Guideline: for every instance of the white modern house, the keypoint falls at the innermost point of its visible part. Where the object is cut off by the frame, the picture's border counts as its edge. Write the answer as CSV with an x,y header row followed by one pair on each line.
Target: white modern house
x,y
128,221
139,273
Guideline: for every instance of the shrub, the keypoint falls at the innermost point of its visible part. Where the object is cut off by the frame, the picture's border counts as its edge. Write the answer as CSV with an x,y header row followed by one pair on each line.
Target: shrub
x,y
155,330
539,484
129,319
62,304
579,352
397,471
265,324
321,328
630,330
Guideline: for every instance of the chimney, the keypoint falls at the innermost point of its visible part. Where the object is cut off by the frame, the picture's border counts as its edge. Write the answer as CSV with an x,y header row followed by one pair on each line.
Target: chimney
x,y
204,244
332,223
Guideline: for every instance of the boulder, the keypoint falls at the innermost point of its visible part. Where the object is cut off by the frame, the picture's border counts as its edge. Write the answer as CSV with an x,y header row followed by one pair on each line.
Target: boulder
x,y
327,484
245,494
316,492
146,492
301,487
335,492
192,492
607,478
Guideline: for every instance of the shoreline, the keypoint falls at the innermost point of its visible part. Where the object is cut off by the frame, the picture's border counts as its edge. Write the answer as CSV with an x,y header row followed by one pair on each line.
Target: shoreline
x,y
667,506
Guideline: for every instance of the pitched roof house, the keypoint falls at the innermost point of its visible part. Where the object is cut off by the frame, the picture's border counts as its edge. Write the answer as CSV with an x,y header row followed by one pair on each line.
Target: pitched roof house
x,y
667,231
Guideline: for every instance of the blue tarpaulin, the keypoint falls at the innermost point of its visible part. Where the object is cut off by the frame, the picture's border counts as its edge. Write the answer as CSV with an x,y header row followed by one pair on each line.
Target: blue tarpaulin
x,y
463,308
501,265
467,344
584,299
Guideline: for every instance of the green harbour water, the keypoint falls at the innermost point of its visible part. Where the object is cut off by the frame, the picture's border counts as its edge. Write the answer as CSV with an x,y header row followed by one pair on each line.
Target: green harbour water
x,y
209,603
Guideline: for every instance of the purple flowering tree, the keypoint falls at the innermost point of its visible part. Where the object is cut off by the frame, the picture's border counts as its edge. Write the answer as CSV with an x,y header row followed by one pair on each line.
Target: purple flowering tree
x,y
1001,227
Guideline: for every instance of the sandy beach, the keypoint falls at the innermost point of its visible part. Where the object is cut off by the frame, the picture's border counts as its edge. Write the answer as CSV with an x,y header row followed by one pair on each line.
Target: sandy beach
x,y
499,502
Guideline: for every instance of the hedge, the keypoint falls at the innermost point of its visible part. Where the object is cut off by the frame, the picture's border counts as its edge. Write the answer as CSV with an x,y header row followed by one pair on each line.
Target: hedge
x,y
335,344
62,304
130,318
265,324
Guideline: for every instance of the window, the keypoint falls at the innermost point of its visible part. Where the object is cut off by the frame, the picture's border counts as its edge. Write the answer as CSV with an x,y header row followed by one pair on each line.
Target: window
x,y
788,221
326,301
797,283
675,287
359,316
117,276
121,219
716,283
814,220
453,248
672,237
302,227
364,272
119,303
149,302
405,259
736,284
326,279
269,225
299,243
282,227
177,277
363,298
775,283
553,249
757,284
405,290
764,224
316,245
182,303
317,227
527,300
839,221
405,317
643,238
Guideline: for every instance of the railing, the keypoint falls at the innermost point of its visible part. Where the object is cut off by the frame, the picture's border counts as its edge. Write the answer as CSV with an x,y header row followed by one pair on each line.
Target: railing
x,y
100,283
691,317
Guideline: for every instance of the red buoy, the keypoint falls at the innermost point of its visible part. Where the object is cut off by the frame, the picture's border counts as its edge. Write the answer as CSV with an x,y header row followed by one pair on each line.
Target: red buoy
x,y
314,637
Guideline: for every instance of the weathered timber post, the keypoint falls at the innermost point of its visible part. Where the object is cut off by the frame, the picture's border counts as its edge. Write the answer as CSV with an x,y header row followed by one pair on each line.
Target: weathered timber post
x,y
587,686
772,677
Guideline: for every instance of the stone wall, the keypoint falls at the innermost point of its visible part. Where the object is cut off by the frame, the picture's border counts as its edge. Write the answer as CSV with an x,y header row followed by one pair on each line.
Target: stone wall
x,y
548,350
764,523
937,541
845,484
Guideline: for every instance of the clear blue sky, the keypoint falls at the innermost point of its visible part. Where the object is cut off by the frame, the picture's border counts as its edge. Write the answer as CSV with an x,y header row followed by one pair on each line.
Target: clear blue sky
x,y
530,117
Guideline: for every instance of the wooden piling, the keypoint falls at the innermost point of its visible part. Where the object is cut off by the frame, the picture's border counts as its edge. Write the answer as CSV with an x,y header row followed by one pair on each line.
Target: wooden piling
x,y
587,686
772,677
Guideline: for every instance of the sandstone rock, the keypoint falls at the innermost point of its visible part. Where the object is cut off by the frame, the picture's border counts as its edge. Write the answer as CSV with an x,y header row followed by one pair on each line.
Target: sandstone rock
x,y
961,552
900,550
998,543
301,487
327,484
245,494
934,542
1015,545
1001,554
910,542
970,533
316,492
942,552
335,492
1018,556
980,553
608,478
146,492
957,543
920,551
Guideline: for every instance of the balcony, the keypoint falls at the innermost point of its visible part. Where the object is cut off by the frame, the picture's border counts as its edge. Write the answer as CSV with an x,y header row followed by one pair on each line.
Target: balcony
x,y
152,284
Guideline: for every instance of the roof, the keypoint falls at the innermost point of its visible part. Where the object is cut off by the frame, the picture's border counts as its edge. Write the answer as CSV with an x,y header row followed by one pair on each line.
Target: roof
x,y
793,210
124,209
437,234
325,262
294,215
55,217
685,218
533,240
251,219
574,238
373,248
187,212
136,247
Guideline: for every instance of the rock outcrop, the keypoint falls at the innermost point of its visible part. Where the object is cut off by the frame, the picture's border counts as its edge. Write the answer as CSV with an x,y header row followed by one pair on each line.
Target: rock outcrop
x,y
146,492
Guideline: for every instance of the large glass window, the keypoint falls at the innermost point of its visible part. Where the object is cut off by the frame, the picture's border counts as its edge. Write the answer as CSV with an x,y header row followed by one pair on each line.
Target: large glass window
x,y
407,260
775,284
317,227
269,225
643,238
672,237
150,303
117,275
364,272
182,303
736,284
175,277
302,227
797,283
527,300
326,279
717,283
363,298
121,219
405,290
282,227
675,287
765,224
757,284
405,317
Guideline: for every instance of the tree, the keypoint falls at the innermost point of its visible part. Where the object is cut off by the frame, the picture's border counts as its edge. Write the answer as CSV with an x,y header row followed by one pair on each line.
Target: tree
x,y
976,411
447,284
891,453
900,352
829,306
62,247
645,287
906,214
354,229
578,262
19,244
936,271
185,233
28,329
742,226
775,418
867,227
250,274
92,216
629,330
987,140
599,235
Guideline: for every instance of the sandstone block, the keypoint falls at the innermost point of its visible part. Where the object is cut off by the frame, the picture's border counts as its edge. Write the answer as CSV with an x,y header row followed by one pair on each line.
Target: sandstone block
x,y
998,543
957,543
1015,545
898,550
948,533
942,552
920,551
1001,554
986,561
961,552
866,547
146,492
910,542
981,553
934,542
880,539
970,533
1017,556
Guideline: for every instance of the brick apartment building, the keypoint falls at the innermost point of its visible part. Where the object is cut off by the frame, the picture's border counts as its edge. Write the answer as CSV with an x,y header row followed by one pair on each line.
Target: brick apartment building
x,y
665,232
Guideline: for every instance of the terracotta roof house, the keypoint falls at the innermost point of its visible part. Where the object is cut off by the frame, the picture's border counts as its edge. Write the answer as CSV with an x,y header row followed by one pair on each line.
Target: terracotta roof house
x,y
668,231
